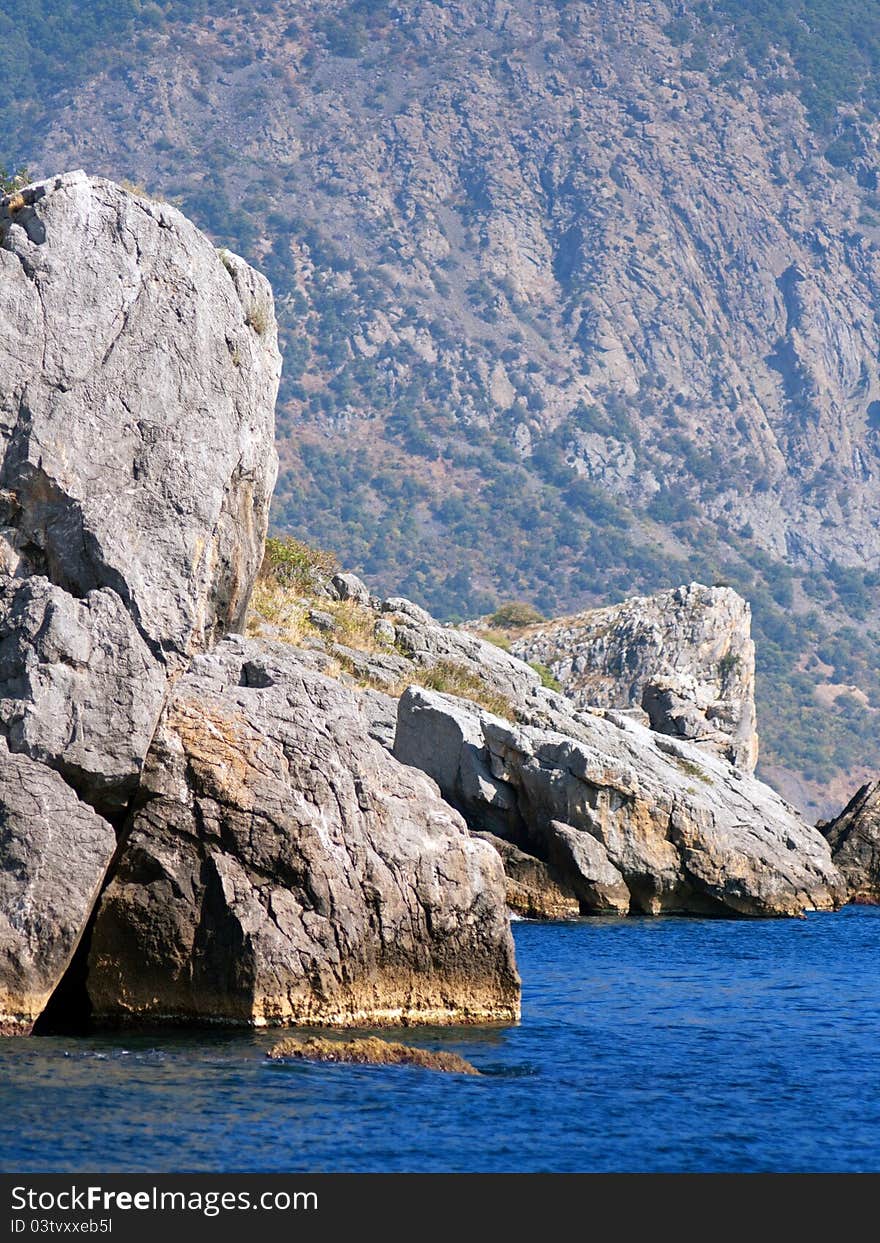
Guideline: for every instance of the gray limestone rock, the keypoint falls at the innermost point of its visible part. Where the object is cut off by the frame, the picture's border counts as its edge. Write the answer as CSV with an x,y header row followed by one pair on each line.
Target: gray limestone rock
x,y
139,369
685,657
686,831
54,852
138,373
443,737
854,838
350,587
284,869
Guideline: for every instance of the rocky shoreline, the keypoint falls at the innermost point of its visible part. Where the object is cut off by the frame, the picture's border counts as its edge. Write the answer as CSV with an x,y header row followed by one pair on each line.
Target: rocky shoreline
x,y
308,823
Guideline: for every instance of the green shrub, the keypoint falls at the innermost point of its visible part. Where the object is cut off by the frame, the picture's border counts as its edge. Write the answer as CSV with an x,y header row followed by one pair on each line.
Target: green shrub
x,y
293,563
546,676
12,180
729,663
515,615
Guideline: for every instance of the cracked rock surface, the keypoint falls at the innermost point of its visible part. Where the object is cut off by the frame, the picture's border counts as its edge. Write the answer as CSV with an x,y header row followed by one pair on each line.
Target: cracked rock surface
x,y
138,374
283,868
629,818
54,851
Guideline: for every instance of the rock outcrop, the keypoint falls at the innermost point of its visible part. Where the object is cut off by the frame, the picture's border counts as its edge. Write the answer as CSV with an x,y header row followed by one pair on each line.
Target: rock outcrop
x,y
284,869
139,372
672,828
854,838
274,863
54,852
684,657
534,890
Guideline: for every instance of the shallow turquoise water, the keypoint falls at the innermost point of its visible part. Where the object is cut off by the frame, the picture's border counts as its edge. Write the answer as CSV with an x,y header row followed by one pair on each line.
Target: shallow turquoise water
x,y
667,1044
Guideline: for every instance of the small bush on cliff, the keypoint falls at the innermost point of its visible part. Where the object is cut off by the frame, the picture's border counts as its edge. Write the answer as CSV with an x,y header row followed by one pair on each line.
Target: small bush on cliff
x,y
546,676
258,319
293,563
728,664
12,181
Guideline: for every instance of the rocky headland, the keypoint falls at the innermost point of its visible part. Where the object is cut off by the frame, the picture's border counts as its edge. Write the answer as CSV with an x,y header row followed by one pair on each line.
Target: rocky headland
x,y
270,861
237,787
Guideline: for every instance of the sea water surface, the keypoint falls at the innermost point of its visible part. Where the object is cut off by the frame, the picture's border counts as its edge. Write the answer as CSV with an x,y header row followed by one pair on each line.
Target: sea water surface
x,y
645,1045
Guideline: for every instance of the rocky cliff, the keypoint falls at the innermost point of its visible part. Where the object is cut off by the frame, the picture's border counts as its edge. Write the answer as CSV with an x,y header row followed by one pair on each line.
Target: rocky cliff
x,y
684,657
309,824
588,270
138,374
592,811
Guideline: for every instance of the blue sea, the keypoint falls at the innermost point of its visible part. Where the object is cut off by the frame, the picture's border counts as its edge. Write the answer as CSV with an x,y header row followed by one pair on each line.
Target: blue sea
x,y
645,1045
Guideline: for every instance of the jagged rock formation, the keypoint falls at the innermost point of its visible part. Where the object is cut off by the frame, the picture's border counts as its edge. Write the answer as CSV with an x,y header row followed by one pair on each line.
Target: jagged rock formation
x,y
691,830
139,372
672,828
284,869
534,890
685,657
129,537
54,851
854,837
274,863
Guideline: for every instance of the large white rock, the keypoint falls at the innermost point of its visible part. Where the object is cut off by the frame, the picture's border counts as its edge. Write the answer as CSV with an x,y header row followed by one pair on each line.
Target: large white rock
x,y
138,374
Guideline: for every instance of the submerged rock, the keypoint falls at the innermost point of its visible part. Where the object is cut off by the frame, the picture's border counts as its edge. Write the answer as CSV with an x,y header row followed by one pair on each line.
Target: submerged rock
x,y
284,869
677,828
54,852
371,1051
854,838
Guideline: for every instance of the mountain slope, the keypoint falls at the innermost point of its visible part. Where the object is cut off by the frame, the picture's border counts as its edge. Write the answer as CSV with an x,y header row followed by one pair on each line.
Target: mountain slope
x,y
577,300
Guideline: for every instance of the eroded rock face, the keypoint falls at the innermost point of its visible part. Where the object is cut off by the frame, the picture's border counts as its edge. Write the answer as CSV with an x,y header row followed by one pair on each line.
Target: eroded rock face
x,y
140,369
138,373
678,828
79,688
534,890
54,852
284,869
684,657
854,838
